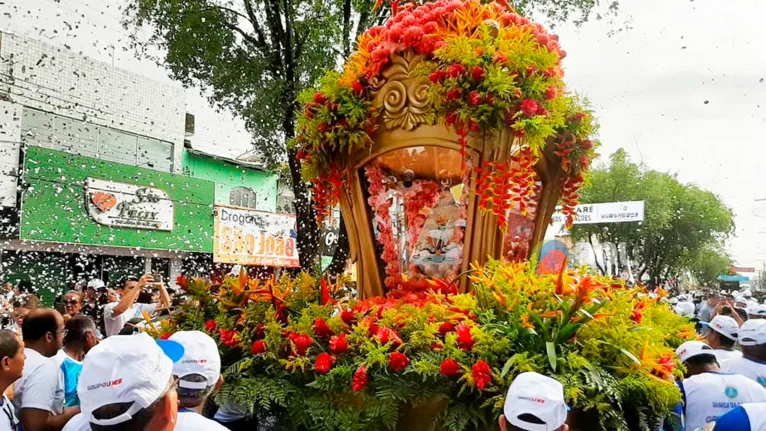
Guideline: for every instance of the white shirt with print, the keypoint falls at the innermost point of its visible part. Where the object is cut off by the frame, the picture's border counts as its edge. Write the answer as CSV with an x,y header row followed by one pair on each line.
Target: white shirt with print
x,y
41,386
8,418
749,368
708,396
113,324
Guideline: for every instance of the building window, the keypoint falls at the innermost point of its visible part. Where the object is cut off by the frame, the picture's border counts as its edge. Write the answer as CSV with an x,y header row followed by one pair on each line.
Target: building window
x,y
243,197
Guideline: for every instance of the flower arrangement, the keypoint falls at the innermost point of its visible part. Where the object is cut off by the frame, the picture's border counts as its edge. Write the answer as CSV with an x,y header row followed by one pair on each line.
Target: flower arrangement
x,y
491,70
300,350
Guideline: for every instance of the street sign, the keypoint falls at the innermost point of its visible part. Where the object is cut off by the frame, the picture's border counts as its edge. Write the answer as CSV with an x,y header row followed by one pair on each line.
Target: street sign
x,y
740,278
608,212
741,269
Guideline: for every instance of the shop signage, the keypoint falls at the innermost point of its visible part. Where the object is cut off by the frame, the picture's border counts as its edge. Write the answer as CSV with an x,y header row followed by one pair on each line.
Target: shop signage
x,y
609,212
741,269
248,237
128,205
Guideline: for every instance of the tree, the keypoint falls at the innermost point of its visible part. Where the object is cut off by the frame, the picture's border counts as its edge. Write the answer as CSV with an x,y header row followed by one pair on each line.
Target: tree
x,y
253,57
707,263
680,220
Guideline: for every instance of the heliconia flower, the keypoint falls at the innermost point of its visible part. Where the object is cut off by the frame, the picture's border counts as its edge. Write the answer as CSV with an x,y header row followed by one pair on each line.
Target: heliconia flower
x,y
446,327
398,361
637,316
321,329
454,94
357,88
482,374
449,368
211,325
464,338
302,343
359,380
550,93
456,70
258,347
474,98
338,344
324,363
320,98
525,321
477,73
528,107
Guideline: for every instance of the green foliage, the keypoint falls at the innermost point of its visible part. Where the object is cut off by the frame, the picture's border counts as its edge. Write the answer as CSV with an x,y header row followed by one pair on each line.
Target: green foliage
x,y
682,222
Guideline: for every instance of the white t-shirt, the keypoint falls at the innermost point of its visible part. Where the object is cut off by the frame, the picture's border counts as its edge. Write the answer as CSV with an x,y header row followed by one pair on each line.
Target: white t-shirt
x,y
230,412
708,396
8,419
726,355
41,386
77,423
749,368
193,421
113,325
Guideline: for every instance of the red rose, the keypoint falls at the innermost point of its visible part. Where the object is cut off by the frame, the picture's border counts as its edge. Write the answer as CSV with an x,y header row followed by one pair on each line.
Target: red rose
x,y
324,128
454,94
474,98
348,316
550,93
359,380
482,374
358,88
258,347
321,329
229,337
398,361
477,73
437,76
210,325
456,70
490,99
451,118
338,344
464,338
302,343
324,362
320,98
449,368
529,107
386,335
446,328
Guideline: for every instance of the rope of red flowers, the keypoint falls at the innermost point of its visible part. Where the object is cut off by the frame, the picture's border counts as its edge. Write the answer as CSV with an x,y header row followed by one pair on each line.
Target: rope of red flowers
x,y
381,205
421,195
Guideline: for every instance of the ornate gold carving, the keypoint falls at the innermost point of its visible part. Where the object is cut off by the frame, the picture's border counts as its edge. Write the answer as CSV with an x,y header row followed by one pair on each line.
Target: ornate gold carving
x,y
402,94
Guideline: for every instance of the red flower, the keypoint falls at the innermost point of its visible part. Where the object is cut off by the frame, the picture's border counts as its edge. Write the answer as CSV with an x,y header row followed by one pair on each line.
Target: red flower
x,y
302,343
550,93
531,70
451,118
210,325
338,344
464,338
348,316
490,99
500,59
321,329
637,317
586,144
446,327
229,337
529,107
449,368
165,336
474,98
477,73
358,88
386,335
260,330
437,346
454,94
324,362
359,380
183,282
324,128
301,154
320,98
258,347
482,374
456,70
398,361
437,76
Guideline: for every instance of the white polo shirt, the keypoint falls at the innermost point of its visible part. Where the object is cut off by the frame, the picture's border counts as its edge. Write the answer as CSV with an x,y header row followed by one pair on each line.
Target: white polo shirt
x,y
726,355
708,396
41,386
113,324
8,419
192,421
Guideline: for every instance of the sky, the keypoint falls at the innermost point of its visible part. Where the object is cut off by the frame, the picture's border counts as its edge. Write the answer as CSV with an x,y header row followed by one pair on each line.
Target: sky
x,y
682,89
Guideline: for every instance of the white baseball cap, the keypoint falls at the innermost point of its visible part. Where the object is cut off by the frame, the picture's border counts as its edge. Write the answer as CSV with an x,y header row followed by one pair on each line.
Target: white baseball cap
x,y
753,332
96,283
691,349
200,357
725,326
539,396
126,369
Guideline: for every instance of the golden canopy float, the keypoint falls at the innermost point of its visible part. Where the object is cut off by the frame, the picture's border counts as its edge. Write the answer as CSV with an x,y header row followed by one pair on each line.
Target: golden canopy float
x,y
448,139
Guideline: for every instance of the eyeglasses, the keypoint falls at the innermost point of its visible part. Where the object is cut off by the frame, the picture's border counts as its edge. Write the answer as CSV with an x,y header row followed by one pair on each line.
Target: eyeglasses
x,y
71,302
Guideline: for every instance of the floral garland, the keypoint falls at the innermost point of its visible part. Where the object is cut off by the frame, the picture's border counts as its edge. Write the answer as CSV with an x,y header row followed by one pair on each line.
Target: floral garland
x,y
422,195
491,70
381,207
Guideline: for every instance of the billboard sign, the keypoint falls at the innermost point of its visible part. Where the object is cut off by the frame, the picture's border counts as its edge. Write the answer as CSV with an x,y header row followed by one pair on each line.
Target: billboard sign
x,y
248,237
609,212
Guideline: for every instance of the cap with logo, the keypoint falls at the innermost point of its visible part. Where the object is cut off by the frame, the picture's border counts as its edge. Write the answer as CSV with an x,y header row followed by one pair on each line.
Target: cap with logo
x,y
200,357
691,349
126,369
539,396
725,326
753,333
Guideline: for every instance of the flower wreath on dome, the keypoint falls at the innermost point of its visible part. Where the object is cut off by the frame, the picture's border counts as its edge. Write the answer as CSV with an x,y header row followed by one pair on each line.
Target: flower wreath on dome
x,y
491,69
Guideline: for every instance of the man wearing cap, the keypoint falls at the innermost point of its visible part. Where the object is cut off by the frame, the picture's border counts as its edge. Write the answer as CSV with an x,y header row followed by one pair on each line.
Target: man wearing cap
x,y
745,417
534,403
127,383
707,392
722,333
199,374
752,338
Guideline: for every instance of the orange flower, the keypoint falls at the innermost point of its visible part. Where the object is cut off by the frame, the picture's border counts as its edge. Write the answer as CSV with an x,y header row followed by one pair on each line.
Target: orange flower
x,y
525,321
551,314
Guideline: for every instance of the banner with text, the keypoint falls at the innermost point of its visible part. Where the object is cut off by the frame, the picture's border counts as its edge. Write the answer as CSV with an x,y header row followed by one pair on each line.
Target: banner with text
x,y
249,237
609,212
